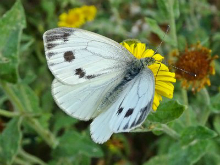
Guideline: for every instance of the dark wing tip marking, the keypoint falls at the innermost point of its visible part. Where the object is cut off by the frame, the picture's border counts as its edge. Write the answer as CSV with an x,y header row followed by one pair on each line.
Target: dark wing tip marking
x,y
90,76
80,72
50,46
129,112
57,34
69,56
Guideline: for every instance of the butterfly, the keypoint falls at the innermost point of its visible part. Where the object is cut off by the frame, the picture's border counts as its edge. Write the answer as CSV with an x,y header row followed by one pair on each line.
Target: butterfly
x,y
97,78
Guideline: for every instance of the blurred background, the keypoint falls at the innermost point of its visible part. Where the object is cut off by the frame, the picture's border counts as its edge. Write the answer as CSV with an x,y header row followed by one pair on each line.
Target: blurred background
x,y
33,130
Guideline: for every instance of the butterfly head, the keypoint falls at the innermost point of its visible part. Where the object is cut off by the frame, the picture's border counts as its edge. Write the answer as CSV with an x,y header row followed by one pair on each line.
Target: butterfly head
x,y
148,61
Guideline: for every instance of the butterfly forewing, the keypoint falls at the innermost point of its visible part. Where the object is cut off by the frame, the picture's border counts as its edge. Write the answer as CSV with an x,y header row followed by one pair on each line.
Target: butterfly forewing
x,y
75,56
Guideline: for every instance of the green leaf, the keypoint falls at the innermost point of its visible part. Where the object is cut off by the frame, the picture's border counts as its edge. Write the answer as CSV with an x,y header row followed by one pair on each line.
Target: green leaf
x,y
11,25
182,155
27,97
215,103
10,141
73,143
196,133
190,154
158,160
161,34
167,112
216,123
62,120
163,8
176,8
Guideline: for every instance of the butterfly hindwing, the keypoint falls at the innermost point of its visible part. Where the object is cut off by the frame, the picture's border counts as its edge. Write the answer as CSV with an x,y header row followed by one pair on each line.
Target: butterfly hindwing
x,y
82,101
135,104
129,111
75,56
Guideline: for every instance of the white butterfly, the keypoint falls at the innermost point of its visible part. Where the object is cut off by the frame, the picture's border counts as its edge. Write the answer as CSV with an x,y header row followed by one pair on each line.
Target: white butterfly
x,y
97,78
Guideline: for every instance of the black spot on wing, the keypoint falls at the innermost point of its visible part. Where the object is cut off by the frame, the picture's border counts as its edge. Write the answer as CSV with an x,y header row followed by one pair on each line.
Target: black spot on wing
x,y
120,110
129,112
69,56
80,72
144,112
126,126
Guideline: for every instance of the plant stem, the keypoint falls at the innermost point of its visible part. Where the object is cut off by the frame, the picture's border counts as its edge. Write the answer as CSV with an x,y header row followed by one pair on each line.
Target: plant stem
x,y
45,134
172,22
187,113
6,113
170,132
12,96
30,157
206,113
20,161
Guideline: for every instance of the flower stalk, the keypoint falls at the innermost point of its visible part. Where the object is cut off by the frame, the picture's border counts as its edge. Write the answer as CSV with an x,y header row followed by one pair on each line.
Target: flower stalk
x,y
185,100
207,111
172,22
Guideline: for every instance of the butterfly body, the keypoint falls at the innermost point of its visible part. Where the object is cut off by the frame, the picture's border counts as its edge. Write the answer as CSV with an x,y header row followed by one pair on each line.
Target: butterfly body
x,y
97,78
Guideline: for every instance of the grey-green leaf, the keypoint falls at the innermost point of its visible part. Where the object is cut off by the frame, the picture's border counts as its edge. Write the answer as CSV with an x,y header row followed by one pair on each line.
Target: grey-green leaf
x,y
182,155
73,143
167,112
196,133
11,25
163,8
190,154
10,140
176,8
215,103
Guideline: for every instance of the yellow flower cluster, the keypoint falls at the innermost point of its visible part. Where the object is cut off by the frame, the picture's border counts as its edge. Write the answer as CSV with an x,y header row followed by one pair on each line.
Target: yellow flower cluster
x,y
163,78
77,17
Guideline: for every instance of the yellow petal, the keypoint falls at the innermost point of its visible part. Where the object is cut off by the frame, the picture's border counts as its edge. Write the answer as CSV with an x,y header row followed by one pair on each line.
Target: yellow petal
x,y
148,53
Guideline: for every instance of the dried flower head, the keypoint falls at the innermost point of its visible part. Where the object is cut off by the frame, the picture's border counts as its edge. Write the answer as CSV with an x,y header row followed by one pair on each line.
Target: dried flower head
x,y
197,61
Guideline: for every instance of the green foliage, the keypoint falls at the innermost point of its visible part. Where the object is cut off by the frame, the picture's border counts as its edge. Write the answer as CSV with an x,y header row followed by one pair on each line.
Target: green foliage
x,y
33,130
156,29
10,141
167,112
11,25
194,133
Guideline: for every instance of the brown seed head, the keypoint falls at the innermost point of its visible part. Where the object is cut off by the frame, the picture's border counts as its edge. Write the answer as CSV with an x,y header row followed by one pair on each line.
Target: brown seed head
x,y
196,60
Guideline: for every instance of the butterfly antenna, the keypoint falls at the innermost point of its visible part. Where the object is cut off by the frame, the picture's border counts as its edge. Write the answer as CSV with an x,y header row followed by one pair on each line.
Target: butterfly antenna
x,y
190,73
168,28
187,72
157,72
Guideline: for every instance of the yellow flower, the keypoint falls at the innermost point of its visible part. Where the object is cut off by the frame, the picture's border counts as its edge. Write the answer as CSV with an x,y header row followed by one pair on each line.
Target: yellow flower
x,y
163,78
74,18
197,60
89,12
77,17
